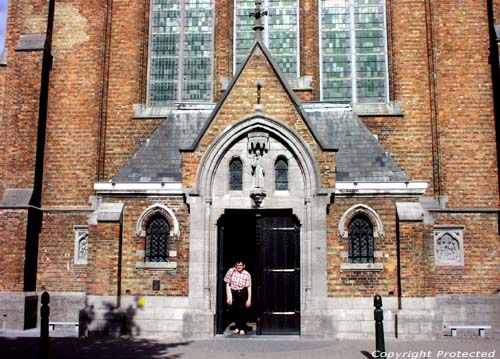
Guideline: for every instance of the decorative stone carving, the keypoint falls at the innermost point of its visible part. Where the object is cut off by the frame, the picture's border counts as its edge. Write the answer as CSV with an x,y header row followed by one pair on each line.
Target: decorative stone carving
x,y
257,197
448,247
81,244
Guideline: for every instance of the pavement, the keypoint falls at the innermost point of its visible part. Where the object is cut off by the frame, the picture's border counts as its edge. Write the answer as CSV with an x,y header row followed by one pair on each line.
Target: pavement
x,y
65,344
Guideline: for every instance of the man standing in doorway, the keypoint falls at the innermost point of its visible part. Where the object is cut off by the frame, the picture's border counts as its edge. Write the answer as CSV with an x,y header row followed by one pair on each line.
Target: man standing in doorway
x,y
239,294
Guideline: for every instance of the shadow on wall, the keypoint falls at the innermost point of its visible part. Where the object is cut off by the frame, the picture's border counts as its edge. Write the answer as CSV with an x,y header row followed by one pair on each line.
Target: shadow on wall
x,y
118,322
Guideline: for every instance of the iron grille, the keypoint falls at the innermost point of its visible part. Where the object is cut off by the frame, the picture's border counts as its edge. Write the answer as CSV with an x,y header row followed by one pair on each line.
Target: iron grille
x,y
360,240
281,174
236,175
157,238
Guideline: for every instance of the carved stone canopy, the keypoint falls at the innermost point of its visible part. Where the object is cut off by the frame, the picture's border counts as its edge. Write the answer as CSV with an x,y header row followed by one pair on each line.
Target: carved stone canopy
x,y
258,142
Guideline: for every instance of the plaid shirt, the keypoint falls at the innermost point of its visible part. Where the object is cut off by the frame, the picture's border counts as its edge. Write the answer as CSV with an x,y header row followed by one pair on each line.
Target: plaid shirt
x,y
238,280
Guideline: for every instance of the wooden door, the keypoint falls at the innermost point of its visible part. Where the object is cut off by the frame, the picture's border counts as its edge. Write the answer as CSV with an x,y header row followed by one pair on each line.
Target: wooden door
x,y
279,292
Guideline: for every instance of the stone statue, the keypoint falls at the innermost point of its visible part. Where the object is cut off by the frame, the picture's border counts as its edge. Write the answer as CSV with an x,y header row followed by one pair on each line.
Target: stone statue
x,y
257,170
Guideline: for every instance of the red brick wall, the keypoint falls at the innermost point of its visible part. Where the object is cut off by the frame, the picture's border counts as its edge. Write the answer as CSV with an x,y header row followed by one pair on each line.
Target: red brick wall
x,y
349,284
408,138
309,45
13,225
463,101
104,259
139,281
56,255
480,273
127,63
417,260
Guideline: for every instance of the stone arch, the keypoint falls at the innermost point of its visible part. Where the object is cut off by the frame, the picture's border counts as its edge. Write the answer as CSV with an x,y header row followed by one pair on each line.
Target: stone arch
x,y
305,158
370,213
140,228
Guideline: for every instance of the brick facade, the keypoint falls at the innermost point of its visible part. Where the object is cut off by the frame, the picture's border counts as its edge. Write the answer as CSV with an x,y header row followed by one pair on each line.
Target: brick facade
x,y
445,134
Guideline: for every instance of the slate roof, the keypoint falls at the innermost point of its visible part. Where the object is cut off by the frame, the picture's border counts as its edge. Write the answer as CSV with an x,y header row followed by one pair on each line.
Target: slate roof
x,y
159,159
360,156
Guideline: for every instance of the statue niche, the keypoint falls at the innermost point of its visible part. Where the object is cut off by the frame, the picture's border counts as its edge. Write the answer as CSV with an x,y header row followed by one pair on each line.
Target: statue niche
x,y
258,146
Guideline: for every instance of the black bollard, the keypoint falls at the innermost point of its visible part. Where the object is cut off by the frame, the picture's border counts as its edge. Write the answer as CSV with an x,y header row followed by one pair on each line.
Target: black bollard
x,y
379,326
44,325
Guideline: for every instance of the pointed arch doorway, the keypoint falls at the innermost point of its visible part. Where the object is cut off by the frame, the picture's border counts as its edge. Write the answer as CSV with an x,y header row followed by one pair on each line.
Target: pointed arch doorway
x,y
269,243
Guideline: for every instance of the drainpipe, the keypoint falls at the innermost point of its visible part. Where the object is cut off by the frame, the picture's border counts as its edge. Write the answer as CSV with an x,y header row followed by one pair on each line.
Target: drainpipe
x,y
436,156
34,213
495,80
103,98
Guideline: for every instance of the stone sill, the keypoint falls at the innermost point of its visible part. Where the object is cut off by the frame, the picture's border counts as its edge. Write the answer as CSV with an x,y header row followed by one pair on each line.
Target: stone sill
x,y
361,267
378,109
166,266
141,111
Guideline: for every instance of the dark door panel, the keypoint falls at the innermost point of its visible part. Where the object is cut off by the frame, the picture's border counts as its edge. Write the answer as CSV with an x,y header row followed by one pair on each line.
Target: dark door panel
x,y
270,243
280,284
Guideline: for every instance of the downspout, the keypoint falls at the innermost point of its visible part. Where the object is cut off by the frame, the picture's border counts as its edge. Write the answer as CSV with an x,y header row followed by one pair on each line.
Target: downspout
x,y
431,60
34,214
103,98
495,80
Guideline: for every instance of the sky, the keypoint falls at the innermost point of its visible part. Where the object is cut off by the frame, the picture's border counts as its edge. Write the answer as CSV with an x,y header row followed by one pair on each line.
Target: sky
x,y
3,21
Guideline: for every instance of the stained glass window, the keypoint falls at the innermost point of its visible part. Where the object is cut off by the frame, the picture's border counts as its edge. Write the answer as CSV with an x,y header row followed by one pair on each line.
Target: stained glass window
x,y
280,32
353,51
360,240
181,46
235,175
281,174
157,238
4,4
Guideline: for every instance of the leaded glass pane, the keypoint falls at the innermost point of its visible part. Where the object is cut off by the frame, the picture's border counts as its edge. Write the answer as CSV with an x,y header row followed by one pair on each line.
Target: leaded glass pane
x,y
353,51
236,175
280,32
180,65
360,240
157,237
198,50
281,174
370,51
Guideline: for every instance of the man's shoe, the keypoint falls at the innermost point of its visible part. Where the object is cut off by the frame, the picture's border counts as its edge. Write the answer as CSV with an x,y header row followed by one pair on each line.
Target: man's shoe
x,y
242,332
236,331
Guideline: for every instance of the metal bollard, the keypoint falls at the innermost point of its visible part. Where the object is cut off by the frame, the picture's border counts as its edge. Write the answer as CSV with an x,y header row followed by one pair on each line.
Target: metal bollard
x,y
379,326
44,325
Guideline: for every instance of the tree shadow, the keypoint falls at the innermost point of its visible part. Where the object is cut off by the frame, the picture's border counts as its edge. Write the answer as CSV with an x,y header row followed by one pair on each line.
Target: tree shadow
x,y
120,322
367,354
95,348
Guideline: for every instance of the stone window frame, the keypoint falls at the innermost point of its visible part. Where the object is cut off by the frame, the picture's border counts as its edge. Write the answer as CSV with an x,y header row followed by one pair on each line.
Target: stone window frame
x,y
456,232
140,231
81,236
378,234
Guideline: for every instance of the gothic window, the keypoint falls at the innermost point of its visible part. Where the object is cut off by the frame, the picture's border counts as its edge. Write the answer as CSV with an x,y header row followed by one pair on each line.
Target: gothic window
x,y
157,238
180,51
281,32
81,244
235,175
360,240
281,174
353,51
